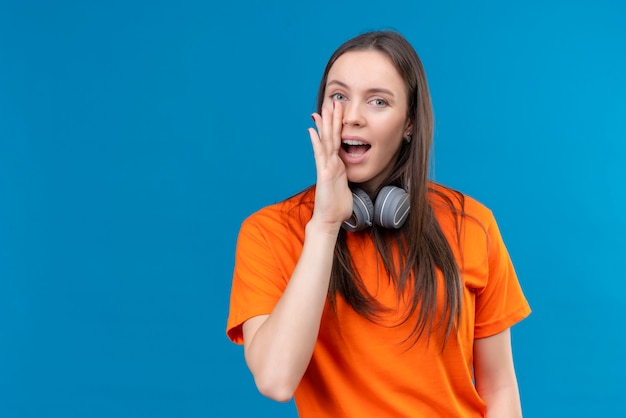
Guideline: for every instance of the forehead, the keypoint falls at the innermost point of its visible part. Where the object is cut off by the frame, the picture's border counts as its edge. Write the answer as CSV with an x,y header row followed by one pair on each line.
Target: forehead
x,y
366,69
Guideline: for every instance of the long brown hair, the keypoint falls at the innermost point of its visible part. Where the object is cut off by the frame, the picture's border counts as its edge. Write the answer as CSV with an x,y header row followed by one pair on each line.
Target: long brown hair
x,y
413,254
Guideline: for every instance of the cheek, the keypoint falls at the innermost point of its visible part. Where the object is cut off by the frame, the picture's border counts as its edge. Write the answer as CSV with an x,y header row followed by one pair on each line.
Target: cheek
x,y
327,104
394,129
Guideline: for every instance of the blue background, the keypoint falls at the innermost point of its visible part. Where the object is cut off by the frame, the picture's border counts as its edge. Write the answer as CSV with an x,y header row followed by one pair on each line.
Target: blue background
x,y
136,136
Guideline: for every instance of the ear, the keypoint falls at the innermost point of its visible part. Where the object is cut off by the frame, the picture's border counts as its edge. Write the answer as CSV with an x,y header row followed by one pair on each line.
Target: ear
x,y
409,125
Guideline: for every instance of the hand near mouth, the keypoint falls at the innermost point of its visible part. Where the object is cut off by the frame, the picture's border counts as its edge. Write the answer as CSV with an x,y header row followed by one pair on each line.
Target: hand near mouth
x,y
333,198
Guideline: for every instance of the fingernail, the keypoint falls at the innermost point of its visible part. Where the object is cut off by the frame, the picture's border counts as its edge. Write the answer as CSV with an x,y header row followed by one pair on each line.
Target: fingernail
x,y
313,117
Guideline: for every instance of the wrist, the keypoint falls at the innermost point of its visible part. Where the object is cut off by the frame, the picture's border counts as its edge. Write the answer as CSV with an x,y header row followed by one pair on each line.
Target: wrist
x,y
316,227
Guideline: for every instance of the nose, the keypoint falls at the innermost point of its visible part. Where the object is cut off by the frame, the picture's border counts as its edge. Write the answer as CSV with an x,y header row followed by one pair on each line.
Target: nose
x,y
352,115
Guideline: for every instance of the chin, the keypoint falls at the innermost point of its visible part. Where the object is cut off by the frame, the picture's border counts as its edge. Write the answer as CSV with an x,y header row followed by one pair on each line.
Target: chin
x,y
359,174
358,179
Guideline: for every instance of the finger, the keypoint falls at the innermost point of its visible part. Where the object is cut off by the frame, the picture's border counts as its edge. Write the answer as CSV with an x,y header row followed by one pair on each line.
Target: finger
x,y
319,153
316,139
315,142
337,126
327,129
317,120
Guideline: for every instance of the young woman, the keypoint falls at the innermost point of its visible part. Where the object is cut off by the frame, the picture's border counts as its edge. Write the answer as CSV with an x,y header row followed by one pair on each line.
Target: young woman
x,y
376,292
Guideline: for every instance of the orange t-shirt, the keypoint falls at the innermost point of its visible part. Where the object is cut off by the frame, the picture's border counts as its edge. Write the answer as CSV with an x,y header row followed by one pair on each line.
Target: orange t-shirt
x,y
364,369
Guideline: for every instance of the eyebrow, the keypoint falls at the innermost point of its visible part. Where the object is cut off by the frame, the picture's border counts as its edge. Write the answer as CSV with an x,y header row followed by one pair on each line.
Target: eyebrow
x,y
372,90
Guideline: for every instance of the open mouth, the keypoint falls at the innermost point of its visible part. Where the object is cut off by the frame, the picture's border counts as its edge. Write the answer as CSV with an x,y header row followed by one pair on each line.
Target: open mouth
x,y
355,148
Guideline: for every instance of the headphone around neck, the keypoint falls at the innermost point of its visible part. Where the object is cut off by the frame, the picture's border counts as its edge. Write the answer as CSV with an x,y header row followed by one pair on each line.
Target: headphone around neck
x,y
390,209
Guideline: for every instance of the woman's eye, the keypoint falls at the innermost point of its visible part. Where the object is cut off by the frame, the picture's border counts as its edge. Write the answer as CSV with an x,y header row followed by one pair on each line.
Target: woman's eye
x,y
337,96
379,102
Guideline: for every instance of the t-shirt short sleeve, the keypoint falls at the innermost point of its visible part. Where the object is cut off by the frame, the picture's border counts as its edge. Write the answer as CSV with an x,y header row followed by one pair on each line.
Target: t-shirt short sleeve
x,y
258,280
501,302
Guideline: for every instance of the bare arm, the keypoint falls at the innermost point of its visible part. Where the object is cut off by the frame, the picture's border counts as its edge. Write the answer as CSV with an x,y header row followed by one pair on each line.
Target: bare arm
x,y
495,376
279,346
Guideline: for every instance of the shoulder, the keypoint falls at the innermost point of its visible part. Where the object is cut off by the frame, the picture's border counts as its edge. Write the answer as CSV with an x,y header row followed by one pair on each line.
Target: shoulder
x,y
291,213
446,200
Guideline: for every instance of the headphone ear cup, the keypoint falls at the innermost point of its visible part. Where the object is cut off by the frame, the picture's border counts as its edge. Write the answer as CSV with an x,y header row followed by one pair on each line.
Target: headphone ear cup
x,y
362,212
392,207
